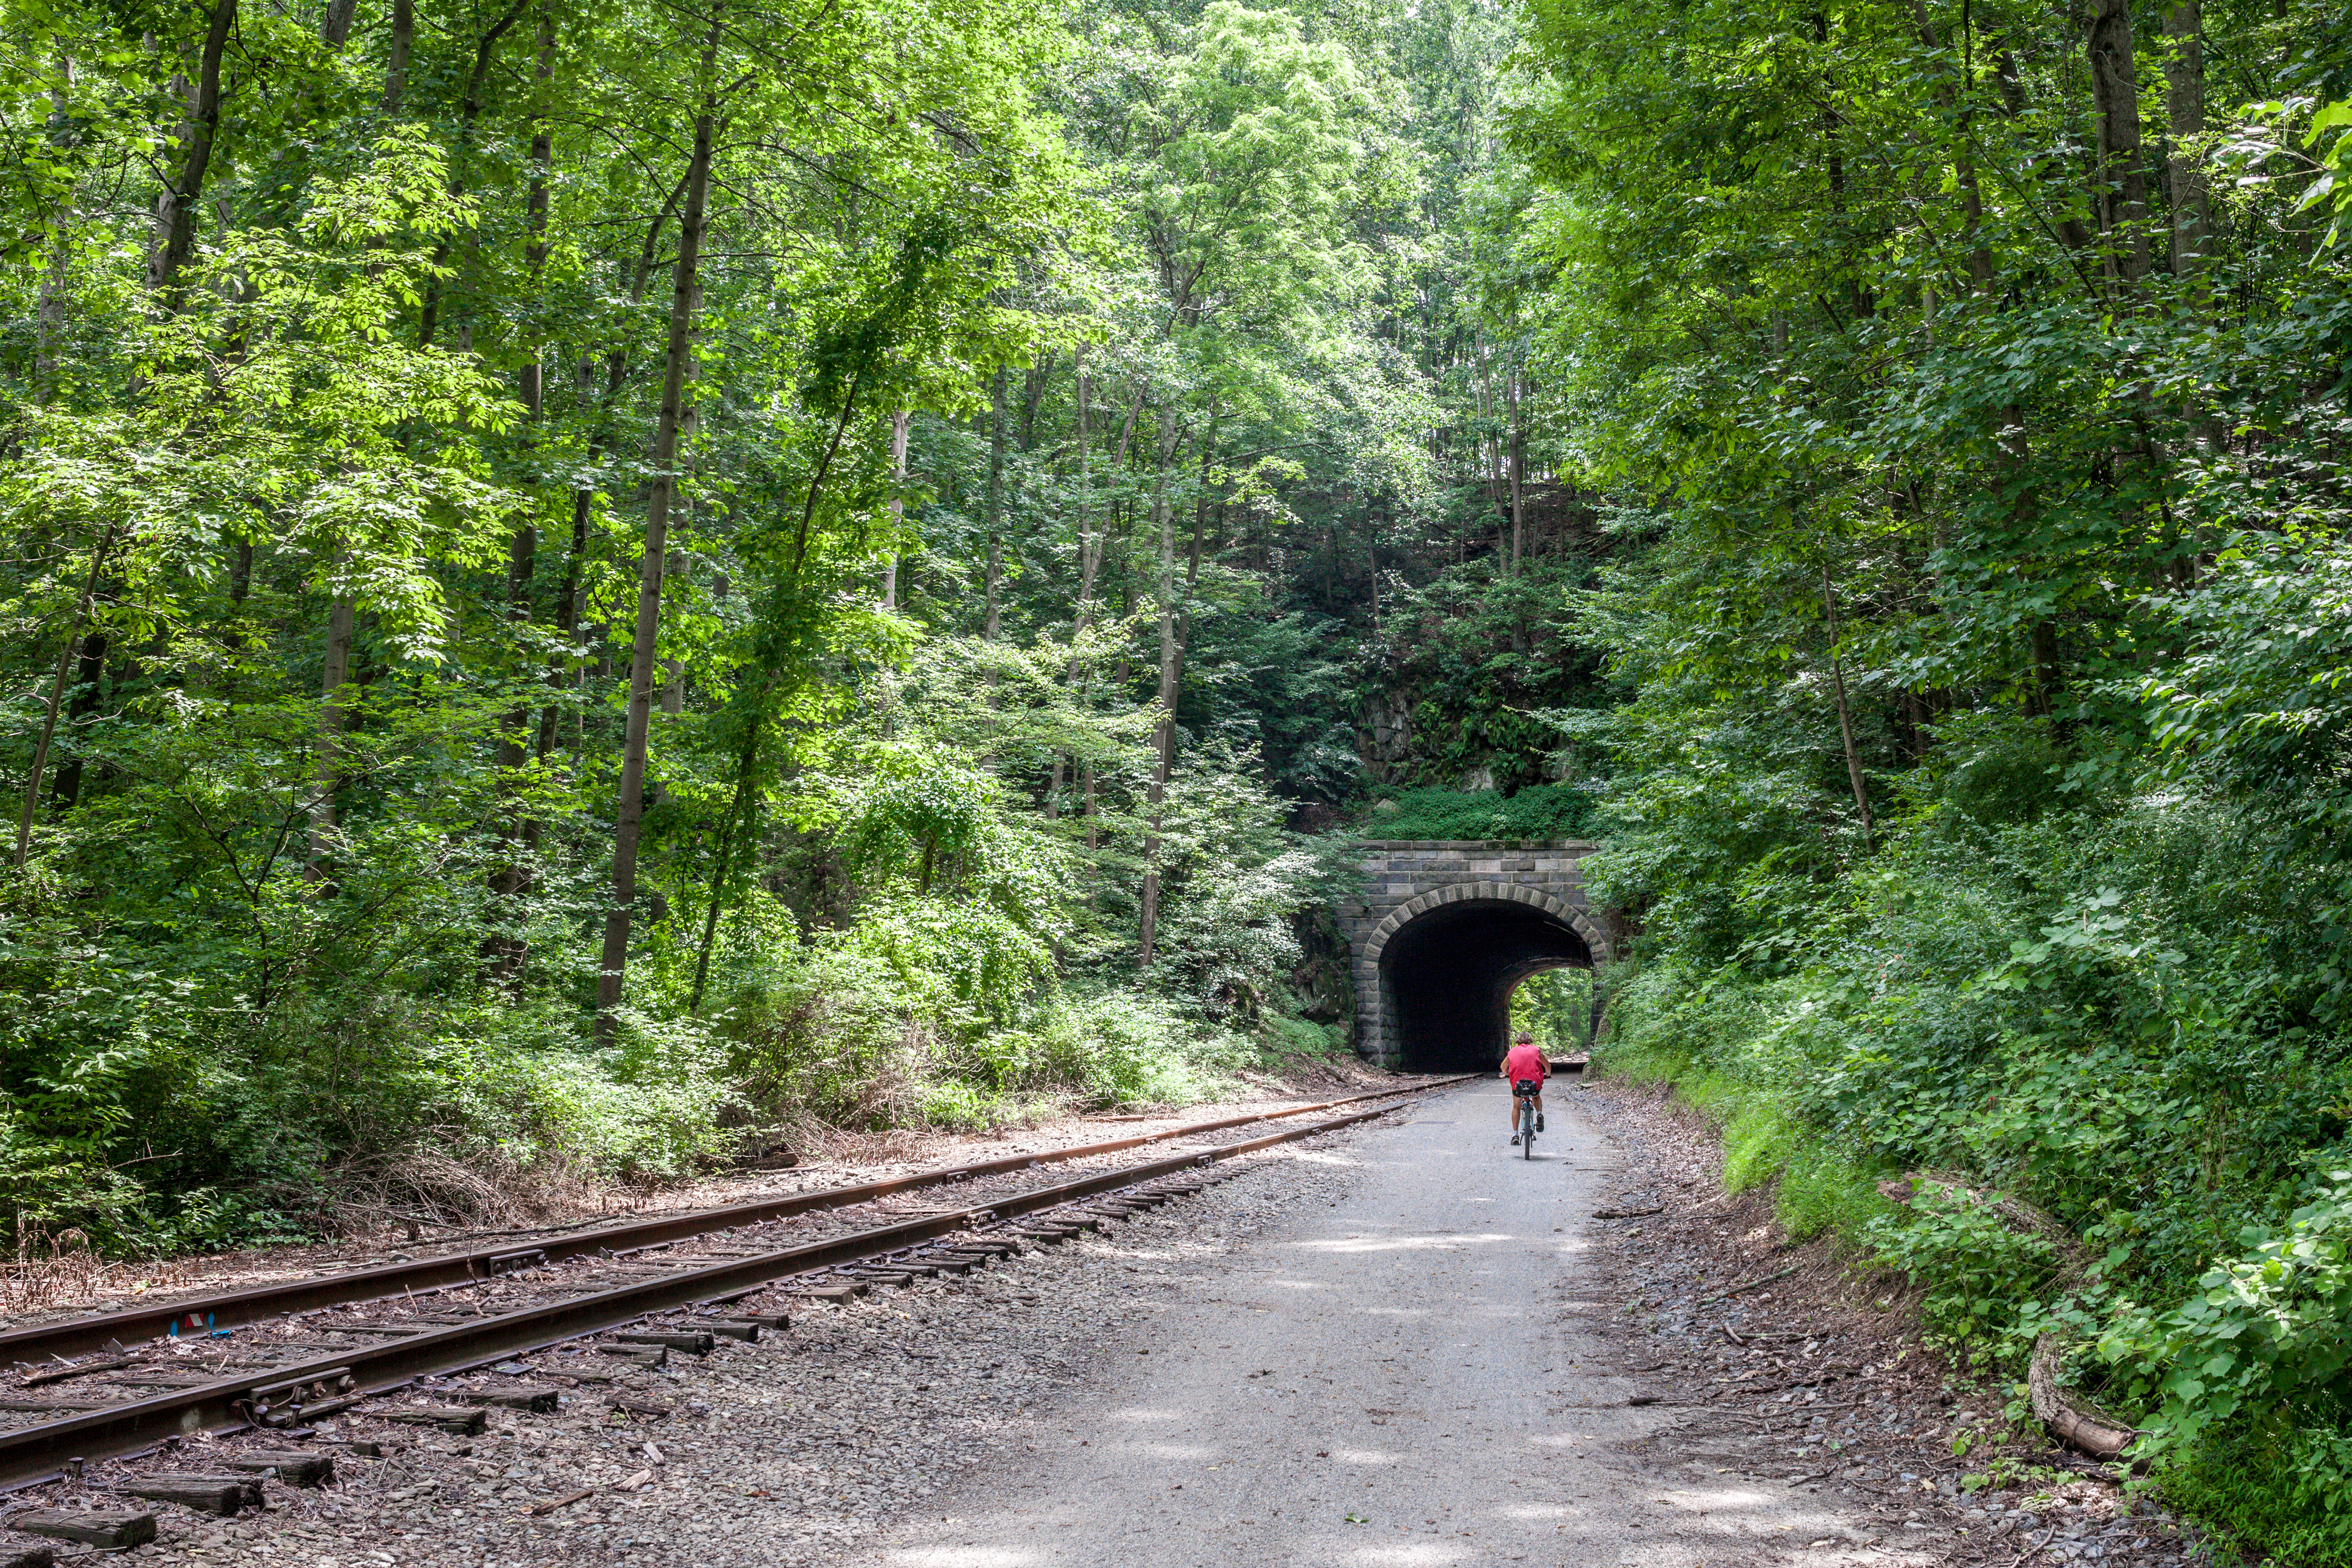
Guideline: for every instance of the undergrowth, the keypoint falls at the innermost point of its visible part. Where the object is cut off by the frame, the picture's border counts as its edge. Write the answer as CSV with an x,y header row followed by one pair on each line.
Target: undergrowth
x,y
1538,811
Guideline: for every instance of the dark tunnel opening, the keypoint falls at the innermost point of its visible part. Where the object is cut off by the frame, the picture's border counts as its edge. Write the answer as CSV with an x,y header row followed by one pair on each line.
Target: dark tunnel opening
x,y
1446,979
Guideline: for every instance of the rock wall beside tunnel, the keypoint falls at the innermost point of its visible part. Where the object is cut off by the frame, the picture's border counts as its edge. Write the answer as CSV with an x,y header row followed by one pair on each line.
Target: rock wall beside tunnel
x,y
1443,930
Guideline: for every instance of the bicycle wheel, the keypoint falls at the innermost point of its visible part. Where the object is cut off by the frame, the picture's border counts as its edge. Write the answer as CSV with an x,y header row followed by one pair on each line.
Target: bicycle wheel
x,y
1527,1137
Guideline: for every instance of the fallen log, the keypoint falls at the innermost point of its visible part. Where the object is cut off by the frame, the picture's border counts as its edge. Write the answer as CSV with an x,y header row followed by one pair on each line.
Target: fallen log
x,y
2071,1418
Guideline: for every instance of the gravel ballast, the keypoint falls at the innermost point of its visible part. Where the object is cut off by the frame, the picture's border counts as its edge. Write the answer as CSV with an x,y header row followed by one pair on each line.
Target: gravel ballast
x,y
781,1452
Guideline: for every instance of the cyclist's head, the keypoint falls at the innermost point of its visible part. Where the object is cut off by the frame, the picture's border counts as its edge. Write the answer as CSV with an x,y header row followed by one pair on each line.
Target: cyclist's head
x,y
1524,1039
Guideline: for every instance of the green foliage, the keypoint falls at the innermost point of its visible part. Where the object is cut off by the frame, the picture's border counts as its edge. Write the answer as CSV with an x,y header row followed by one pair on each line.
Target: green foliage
x,y
1538,812
2276,1490
1983,1272
2266,1333
1556,1007
1708,1040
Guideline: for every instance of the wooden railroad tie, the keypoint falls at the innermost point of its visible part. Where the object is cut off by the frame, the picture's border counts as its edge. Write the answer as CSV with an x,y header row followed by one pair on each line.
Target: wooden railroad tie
x,y
839,1294
48,1375
222,1494
296,1469
531,1397
463,1421
745,1331
693,1344
114,1529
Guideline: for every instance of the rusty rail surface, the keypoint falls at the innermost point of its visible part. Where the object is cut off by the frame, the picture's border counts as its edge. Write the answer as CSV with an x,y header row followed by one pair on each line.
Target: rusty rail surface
x,y
40,1452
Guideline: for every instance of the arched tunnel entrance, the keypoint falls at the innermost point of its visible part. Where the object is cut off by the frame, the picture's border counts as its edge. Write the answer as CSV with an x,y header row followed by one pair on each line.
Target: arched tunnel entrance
x,y
1446,979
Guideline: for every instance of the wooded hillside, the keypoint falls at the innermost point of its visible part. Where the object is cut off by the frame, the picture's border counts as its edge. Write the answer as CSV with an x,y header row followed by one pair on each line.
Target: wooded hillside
x,y
591,585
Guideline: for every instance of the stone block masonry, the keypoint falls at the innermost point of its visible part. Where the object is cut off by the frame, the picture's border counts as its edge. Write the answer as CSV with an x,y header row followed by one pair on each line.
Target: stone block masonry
x,y
1405,880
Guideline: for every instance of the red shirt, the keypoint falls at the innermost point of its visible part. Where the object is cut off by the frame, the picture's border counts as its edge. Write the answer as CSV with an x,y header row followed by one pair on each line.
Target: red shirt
x,y
1525,1062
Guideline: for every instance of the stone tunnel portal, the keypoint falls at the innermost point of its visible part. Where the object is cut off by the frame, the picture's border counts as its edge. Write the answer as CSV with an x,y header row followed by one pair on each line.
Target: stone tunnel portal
x,y
1446,979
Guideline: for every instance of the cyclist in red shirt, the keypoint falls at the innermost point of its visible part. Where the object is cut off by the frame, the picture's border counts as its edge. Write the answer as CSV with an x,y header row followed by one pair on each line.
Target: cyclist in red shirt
x,y
1526,1064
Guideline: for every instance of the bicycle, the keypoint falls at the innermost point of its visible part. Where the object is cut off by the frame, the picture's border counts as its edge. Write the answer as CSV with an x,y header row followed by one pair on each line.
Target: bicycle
x,y
1525,1091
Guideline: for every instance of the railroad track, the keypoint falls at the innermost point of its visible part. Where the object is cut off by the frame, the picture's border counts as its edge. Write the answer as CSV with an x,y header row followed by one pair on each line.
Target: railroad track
x,y
589,1304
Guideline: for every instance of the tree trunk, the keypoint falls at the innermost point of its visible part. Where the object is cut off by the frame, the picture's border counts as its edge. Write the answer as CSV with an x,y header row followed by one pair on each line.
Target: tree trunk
x,y
899,422
87,681
176,209
1845,717
542,178
746,767
1972,195
2123,179
630,815
2184,107
49,309
1089,546
990,609
1163,517
57,696
1518,470
470,110
404,41
513,878
1087,557
583,499
567,592
333,714
336,24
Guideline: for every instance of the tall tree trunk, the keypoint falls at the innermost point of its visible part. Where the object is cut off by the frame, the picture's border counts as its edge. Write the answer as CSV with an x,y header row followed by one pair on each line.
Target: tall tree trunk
x,y
684,288
49,310
513,878
567,592
2184,109
994,583
333,716
336,24
403,42
1845,717
1083,604
1518,470
87,680
1192,556
1972,194
2123,178
899,422
584,498
738,806
542,180
469,111
175,208
58,695
1163,518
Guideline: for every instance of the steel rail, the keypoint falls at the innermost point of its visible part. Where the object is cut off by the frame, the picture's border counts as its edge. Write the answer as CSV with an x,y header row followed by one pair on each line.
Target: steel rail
x,y
32,1453
204,1314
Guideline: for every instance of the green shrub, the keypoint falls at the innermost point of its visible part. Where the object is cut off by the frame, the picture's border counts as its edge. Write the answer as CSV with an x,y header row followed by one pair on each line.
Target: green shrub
x,y
1540,811
2273,1490
1984,1276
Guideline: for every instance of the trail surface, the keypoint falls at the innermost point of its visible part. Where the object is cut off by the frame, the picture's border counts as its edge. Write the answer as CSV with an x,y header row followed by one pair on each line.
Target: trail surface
x,y
1418,1374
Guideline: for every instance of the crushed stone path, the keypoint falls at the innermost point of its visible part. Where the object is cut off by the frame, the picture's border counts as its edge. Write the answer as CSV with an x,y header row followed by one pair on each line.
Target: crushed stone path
x,y
1418,1371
